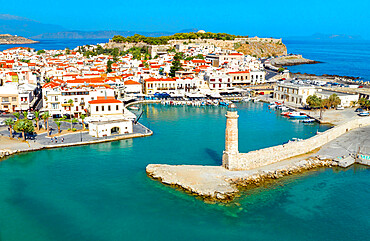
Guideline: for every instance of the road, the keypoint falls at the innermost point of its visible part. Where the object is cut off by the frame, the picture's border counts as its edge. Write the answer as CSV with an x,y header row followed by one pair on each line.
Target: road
x,y
353,142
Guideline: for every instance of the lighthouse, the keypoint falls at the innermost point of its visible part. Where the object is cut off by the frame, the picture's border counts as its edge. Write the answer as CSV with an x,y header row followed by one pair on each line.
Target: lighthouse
x,y
231,137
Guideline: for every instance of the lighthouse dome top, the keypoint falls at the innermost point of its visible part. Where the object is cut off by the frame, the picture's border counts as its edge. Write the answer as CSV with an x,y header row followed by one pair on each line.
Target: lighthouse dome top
x,y
231,107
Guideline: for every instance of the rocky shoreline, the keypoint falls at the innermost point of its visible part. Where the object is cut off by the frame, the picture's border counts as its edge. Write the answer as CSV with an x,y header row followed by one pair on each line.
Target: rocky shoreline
x,y
217,184
331,78
292,60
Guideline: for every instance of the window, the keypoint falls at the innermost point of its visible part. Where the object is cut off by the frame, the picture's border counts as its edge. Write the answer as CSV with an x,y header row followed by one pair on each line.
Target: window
x,y
108,107
116,107
102,108
14,98
5,99
97,108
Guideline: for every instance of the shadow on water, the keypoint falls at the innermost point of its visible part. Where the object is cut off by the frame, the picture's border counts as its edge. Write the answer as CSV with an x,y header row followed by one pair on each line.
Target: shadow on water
x,y
214,155
60,225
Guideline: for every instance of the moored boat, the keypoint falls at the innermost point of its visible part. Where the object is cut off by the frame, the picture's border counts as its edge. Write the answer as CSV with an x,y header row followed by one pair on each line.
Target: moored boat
x,y
308,120
363,113
297,115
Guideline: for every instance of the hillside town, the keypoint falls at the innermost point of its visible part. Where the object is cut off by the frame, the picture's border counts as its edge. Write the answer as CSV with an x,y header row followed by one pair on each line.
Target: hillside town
x,y
92,84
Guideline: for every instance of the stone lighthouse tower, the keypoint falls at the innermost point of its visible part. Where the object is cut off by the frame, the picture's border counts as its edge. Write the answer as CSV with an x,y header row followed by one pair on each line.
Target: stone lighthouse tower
x,y
229,157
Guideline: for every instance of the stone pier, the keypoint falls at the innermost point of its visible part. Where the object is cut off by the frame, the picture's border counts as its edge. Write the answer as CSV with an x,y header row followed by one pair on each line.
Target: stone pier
x,y
243,169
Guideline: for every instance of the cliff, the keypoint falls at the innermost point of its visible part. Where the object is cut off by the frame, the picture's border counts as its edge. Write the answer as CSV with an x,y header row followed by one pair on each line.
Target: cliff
x,y
261,48
10,39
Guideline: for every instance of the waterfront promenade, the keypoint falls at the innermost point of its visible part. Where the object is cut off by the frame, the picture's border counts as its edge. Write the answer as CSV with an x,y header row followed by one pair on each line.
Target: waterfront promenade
x,y
42,141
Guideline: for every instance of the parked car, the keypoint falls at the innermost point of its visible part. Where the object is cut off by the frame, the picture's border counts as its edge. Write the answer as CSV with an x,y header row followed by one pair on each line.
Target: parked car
x,y
30,116
359,110
339,107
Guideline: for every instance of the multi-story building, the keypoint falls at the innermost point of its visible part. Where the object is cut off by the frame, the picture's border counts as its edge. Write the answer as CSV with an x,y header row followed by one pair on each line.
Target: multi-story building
x,y
293,94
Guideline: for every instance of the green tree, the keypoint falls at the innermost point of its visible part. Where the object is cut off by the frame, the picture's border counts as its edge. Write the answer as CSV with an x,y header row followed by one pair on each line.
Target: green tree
x,y
83,116
364,103
314,101
333,101
45,116
109,66
24,126
25,114
281,70
176,66
41,51
67,51
58,122
9,122
17,115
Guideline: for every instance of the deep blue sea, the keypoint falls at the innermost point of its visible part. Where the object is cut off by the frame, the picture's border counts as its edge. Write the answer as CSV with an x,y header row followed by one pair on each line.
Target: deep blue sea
x,y
101,192
345,58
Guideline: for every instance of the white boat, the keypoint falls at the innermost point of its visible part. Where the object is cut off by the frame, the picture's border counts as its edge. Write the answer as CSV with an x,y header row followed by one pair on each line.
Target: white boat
x,y
297,115
309,120
134,107
246,99
364,113
283,108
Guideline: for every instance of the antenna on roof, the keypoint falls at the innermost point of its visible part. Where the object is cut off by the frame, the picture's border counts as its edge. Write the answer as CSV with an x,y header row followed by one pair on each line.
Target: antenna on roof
x,y
105,94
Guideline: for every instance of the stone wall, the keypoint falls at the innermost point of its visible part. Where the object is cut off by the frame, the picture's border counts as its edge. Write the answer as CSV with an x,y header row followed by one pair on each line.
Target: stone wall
x,y
255,159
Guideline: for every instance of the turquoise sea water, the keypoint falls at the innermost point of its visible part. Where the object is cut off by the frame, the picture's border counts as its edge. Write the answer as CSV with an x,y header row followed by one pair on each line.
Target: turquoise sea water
x,y
101,192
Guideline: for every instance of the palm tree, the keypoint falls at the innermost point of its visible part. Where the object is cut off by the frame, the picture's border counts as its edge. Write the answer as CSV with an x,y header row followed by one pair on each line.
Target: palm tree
x,y
45,116
334,101
70,102
17,115
9,122
354,103
59,122
25,114
37,116
83,116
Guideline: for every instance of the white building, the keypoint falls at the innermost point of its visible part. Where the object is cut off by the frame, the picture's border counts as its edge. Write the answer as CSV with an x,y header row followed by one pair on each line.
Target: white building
x,y
107,119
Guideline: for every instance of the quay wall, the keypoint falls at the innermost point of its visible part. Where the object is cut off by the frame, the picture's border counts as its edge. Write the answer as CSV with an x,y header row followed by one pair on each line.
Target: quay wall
x,y
262,157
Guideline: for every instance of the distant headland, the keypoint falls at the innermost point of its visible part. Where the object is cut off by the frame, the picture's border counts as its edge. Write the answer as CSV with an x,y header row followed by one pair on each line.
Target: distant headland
x,y
13,39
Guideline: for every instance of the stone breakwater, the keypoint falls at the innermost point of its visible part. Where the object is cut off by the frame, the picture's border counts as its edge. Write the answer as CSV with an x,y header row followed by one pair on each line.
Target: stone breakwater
x,y
292,60
270,155
215,183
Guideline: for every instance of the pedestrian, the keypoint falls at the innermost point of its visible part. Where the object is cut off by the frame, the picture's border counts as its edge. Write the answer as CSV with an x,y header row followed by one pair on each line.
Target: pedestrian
x,y
51,139
62,139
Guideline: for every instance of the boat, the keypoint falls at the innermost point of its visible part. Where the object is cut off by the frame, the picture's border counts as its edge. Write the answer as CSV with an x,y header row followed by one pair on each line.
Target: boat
x,y
297,115
246,99
134,107
364,113
309,120
272,106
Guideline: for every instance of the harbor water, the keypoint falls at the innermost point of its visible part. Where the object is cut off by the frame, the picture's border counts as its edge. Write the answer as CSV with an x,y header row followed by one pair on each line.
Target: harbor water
x,y
101,192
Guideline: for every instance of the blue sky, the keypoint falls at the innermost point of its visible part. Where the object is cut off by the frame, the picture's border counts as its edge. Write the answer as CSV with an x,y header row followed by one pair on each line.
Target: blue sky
x,y
263,18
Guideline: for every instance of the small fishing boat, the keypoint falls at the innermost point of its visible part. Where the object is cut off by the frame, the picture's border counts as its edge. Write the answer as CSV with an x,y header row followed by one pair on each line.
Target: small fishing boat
x,y
297,115
272,106
134,107
246,99
364,113
309,120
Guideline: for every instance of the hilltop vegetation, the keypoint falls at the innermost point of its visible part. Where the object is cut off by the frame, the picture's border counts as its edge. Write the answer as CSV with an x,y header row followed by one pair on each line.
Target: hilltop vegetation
x,y
137,38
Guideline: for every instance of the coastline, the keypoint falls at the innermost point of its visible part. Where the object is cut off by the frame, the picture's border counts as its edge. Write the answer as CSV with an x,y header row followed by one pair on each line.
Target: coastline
x,y
7,152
